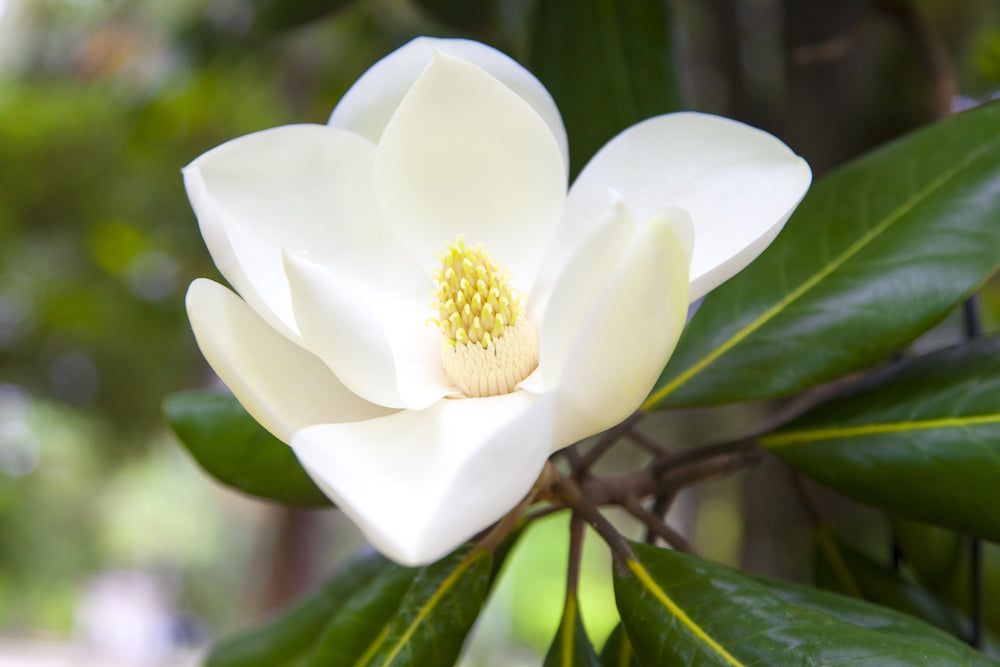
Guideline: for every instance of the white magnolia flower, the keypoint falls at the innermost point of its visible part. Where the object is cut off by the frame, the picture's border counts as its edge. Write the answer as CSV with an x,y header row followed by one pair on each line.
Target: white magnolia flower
x,y
443,171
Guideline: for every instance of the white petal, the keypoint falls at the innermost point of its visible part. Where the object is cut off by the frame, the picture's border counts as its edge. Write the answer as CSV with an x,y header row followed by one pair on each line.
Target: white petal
x,y
629,333
283,386
300,187
371,101
380,347
560,307
418,484
738,183
463,154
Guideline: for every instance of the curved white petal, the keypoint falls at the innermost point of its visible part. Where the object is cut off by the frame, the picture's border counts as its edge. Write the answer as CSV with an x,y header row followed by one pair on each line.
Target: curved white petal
x,y
738,183
283,386
419,483
380,347
464,154
560,306
369,104
304,188
629,333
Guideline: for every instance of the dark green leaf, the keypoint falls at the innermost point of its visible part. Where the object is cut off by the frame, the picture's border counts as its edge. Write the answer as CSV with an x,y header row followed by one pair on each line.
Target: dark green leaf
x,y
679,609
873,617
237,451
607,64
437,612
844,570
617,651
291,635
921,440
571,646
877,253
362,622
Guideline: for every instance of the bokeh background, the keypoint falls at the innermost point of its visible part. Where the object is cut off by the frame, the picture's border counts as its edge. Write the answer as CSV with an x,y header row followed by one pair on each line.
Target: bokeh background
x,y
115,549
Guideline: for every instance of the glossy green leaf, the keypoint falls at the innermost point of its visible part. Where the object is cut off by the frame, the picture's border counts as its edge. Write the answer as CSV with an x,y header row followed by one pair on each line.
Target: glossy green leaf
x,y
571,646
237,451
679,609
607,64
361,623
875,617
878,252
844,570
290,636
617,651
921,440
436,613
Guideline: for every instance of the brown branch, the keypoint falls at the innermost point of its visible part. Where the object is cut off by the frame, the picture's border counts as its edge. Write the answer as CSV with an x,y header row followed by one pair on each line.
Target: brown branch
x,y
648,442
674,472
661,505
600,448
569,494
656,524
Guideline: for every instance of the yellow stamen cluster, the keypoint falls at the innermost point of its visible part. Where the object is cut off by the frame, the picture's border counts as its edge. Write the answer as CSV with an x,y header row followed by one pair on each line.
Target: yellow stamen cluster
x,y
473,297
488,345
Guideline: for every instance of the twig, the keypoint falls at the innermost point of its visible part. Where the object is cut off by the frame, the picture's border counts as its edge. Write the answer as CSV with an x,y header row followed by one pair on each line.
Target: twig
x,y
672,473
976,591
576,534
569,494
660,507
600,448
656,524
648,442
572,455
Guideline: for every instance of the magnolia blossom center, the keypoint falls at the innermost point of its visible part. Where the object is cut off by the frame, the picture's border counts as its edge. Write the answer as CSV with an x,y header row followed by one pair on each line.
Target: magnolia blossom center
x,y
488,343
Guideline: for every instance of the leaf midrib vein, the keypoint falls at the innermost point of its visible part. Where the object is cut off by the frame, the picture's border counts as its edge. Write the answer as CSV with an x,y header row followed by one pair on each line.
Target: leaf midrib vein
x,y
649,584
430,604
806,436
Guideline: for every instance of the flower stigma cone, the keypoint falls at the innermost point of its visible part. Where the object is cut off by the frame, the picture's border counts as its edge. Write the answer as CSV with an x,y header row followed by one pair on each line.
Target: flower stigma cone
x,y
488,343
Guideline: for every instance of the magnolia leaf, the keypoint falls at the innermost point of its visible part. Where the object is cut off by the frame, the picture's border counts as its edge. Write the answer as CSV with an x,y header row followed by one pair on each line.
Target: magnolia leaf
x,y
237,451
436,613
878,252
844,570
921,439
408,615
625,50
617,651
679,609
286,639
362,622
571,646
865,614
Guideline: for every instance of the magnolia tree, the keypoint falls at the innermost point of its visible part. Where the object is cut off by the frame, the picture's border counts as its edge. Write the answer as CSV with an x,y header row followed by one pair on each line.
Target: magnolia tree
x,y
426,315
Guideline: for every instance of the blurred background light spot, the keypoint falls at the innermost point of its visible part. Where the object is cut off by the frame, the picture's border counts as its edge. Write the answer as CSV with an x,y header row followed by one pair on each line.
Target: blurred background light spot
x,y
19,448
73,378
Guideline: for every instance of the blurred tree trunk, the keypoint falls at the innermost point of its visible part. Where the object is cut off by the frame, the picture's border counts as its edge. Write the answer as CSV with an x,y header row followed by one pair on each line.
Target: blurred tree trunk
x,y
290,565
